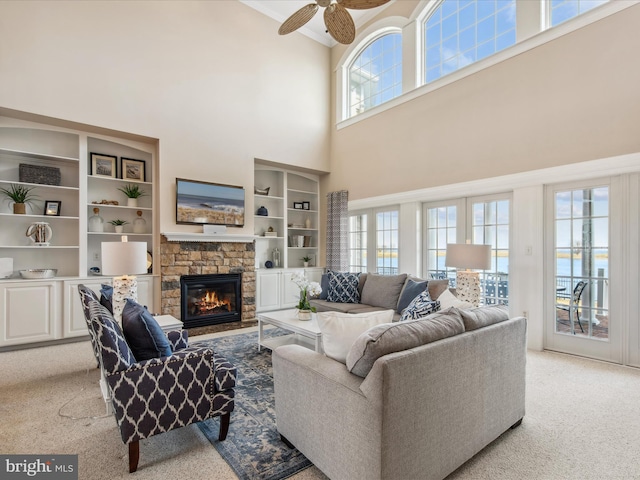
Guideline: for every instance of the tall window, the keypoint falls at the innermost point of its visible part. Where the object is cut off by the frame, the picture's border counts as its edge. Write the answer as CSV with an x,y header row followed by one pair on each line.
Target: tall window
x,y
375,76
461,32
358,243
441,229
373,241
582,262
563,10
490,225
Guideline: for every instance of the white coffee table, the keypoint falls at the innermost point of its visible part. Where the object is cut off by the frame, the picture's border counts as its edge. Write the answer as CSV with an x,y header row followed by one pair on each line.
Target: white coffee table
x,y
303,332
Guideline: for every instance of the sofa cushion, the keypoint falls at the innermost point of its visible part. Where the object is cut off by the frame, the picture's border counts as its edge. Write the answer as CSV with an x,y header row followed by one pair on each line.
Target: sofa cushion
x,y
388,338
420,307
382,290
412,288
340,330
343,287
106,296
479,317
436,287
448,300
142,332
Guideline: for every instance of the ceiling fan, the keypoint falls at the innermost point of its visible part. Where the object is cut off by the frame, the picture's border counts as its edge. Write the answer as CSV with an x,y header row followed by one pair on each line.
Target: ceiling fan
x,y
336,17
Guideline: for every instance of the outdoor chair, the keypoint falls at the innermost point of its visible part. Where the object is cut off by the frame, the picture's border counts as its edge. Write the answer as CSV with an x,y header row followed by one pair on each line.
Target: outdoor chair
x,y
575,303
161,394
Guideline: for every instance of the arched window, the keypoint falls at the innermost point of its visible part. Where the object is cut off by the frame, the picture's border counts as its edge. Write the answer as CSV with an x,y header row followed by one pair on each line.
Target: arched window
x,y
375,76
460,32
562,10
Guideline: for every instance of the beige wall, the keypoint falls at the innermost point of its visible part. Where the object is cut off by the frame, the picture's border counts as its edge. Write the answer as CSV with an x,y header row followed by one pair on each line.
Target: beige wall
x,y
573,99
211,80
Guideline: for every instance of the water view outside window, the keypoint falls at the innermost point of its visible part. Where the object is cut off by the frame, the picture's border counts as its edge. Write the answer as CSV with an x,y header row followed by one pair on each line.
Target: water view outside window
x,y
582,262
387,242
461,32
490,225
358,243
441,229
375,76
563,10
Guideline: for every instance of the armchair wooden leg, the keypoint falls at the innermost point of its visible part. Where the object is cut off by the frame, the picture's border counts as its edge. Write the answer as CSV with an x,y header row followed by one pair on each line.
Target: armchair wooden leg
x,y
134,455
224,426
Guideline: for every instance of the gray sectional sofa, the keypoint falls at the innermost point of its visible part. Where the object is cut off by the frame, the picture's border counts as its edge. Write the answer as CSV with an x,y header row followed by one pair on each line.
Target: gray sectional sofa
x,y
421,399
378,292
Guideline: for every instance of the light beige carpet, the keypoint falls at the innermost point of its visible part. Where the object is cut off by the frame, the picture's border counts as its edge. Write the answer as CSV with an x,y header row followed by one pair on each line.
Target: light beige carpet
x,y
582,422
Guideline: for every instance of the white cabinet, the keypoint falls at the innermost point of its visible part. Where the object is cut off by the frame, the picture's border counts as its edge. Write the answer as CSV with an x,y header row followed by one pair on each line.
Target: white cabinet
x,y
275,289
29,312
54,160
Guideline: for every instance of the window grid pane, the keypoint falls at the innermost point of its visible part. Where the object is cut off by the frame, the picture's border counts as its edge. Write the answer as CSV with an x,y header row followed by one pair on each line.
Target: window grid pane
x,y
375,76
441,229
563,10
358,243
460,33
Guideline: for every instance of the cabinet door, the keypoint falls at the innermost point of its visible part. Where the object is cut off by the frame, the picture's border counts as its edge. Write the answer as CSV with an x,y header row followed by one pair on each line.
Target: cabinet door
x,y
74,323
145,293
290,291
268,291
314,274
28,312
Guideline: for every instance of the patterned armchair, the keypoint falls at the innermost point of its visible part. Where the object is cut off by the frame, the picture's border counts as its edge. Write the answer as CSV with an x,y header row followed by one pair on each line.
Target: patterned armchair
x,y
161,394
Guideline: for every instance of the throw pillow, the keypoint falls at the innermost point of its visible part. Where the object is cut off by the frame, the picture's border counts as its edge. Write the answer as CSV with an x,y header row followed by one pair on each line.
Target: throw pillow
x,y
436,287
396,337
106,297
448,299
142,332
411,290
484,316
343,287
382,290
421,306
324,284
340,330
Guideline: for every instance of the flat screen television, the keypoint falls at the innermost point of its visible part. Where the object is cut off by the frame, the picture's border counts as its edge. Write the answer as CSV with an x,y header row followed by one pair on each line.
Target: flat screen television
x,y
203,203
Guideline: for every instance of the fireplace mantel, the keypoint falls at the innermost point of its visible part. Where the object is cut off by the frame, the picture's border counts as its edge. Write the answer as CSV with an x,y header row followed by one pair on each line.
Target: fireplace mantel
x,y
203,237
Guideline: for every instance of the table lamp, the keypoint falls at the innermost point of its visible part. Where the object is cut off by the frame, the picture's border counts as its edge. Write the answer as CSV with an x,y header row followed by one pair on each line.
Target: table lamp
x,y
469,257
123,259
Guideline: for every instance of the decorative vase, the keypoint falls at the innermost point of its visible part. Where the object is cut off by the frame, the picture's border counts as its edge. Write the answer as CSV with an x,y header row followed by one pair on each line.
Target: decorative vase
x,y
20,208
304,314
263,212
132,202
96,223
139,224
40,233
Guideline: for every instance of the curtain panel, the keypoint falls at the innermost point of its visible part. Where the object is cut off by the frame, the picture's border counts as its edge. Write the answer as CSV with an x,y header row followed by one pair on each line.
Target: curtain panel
x,y
338,231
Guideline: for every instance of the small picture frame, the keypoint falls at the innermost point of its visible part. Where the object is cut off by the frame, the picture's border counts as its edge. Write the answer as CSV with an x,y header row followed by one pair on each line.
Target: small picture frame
x,y
297,205
306,206
132,170
104,165
52,207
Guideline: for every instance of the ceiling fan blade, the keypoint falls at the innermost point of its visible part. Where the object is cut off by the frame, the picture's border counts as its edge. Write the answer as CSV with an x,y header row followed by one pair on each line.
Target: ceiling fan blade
x,y
339,24
362,4
298,19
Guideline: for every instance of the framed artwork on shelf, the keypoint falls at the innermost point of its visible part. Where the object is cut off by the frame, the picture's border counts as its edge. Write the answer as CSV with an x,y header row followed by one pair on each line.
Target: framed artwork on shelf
x,y
306,206
104,165
297,205
52,207
132,170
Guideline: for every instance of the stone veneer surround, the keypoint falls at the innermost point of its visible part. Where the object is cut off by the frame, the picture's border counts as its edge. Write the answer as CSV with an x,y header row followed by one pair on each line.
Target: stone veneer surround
x,y
202,258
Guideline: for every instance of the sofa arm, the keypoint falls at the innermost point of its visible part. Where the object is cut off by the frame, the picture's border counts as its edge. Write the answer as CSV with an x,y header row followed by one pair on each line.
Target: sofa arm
x,y
178,339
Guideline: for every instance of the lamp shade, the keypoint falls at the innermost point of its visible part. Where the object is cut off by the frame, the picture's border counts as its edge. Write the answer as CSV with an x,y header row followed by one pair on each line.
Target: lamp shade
x,y
467,255
124,258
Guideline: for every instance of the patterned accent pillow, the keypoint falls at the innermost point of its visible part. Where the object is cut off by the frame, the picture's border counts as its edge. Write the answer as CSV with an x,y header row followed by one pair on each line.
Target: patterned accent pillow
x,y
343,287
421,306
142,332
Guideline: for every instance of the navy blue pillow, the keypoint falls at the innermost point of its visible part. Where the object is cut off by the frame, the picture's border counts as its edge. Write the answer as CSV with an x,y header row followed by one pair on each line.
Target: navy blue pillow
x,y
410,291
106,297
324,284
142,332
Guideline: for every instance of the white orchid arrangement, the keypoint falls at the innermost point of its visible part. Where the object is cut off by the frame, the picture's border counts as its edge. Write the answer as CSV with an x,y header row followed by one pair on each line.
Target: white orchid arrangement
x,y
307,289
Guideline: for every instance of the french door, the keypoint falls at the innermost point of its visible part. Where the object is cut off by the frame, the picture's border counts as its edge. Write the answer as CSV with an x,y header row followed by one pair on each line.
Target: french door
x,y
583,271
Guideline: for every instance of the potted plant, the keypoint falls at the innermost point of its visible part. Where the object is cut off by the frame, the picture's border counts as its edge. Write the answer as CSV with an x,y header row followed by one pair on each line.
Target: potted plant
x,y
118,225
307,290
305,260
133,192
20,195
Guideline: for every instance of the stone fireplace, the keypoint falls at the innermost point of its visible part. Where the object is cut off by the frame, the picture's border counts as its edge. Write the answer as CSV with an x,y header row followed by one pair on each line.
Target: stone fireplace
x,y
201,255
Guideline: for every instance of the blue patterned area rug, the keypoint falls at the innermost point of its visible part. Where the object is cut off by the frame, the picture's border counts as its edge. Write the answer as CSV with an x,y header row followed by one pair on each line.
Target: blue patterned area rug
x,y
253,447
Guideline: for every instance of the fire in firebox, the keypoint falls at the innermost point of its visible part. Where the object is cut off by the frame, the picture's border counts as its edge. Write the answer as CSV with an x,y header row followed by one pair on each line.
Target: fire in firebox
x,y
208,302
